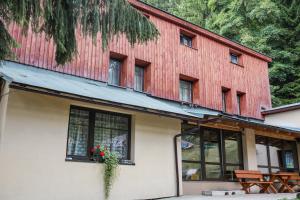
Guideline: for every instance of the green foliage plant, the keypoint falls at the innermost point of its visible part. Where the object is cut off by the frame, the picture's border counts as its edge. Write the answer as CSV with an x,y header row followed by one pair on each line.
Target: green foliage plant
x,y
111,163
59,20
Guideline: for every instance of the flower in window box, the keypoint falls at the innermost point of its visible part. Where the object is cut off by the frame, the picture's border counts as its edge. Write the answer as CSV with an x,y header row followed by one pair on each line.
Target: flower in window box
x,y
102,154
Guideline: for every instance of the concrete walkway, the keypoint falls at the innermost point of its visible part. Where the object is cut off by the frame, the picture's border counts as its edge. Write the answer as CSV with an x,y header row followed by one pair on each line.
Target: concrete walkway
x,y
242,197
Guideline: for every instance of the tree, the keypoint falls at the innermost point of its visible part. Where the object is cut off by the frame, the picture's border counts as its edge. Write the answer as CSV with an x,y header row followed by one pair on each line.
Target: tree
x,y
60,18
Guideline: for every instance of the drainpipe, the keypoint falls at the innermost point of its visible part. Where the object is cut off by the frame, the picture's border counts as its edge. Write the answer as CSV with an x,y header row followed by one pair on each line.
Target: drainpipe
x,y
4,90
188,132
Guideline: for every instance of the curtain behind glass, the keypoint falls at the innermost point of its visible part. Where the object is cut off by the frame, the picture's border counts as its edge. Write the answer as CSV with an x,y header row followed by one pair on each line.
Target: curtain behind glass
x,y
139,78
185,91
78,132
112,131
114,72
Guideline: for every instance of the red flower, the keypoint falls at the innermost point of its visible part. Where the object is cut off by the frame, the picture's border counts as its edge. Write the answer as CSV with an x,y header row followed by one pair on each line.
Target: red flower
x,y
102,154
98,146
92,150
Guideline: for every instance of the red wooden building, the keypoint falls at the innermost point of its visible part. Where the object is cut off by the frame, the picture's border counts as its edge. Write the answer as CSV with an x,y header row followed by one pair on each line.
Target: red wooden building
x,y
183,52
179,112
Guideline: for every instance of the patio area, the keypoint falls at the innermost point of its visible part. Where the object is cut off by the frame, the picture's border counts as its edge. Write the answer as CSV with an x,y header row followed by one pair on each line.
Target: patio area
x,y
285,196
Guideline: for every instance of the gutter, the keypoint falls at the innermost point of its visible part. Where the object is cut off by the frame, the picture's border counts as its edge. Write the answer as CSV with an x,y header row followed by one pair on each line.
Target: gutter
x,y
188,132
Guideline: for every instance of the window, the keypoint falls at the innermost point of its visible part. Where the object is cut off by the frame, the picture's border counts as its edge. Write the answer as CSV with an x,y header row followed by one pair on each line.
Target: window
x,y
139,78
186,40
89,128
234,58
225,93
114,72
275,155
185,91
240,102
211,154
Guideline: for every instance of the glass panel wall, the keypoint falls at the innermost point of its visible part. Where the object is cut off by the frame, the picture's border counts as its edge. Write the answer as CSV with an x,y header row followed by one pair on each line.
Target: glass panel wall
x,y
275,155
210,154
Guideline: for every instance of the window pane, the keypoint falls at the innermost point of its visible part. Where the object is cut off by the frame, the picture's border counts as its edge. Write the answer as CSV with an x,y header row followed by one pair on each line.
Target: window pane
x,y
290,155
223,101
263,169
112,131
274,170
229,172
139,78
261,151
191,171
78,132
231,144
211,145
185,91
186,40
275,148
212,171
234,58
238,104
114,72
190,146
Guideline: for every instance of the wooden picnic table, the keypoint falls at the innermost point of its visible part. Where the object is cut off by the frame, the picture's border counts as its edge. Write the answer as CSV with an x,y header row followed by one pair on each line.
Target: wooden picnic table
x,y
283,178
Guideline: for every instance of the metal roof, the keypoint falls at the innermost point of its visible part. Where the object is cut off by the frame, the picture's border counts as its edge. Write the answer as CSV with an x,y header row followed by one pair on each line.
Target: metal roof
x,y
63,83
284,108
20,75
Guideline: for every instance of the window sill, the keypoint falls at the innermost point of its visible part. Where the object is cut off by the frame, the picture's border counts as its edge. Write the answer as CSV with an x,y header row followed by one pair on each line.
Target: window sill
x,y
237,64
70,159
142,92
189,47
117,86
186,103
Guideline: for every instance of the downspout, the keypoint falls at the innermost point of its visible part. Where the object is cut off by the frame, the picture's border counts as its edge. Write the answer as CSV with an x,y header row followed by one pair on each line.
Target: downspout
x,y
188,132
4,91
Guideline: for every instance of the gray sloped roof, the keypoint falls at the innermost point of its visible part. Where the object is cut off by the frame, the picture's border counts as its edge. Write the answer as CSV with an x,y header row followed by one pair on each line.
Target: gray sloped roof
x,y
24,75
55,81
283,108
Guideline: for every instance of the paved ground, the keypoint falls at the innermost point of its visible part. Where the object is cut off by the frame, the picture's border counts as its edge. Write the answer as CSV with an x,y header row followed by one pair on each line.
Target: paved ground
x,y
237,197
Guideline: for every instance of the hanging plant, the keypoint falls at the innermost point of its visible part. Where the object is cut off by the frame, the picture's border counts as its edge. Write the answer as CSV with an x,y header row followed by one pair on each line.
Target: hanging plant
x,y
111,163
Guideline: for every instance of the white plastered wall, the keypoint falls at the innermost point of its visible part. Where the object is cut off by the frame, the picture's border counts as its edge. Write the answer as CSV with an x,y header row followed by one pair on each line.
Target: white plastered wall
x,y
32,156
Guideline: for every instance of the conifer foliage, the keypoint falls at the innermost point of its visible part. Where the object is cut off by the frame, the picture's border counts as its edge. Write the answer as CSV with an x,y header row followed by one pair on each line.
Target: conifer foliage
x,y
59,19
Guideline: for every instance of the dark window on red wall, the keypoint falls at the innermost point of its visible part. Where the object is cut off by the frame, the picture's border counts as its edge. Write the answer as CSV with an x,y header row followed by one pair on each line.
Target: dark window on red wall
x,y
114,72
139,78
186,91
234,58
225,99
240,97
186,40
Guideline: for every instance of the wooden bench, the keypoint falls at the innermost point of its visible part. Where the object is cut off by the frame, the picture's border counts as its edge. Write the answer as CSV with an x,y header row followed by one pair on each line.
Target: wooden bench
x,y
250,178
294,180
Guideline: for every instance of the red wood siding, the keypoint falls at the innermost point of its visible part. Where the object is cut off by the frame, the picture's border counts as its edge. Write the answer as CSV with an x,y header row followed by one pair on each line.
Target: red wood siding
x,y
209,64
